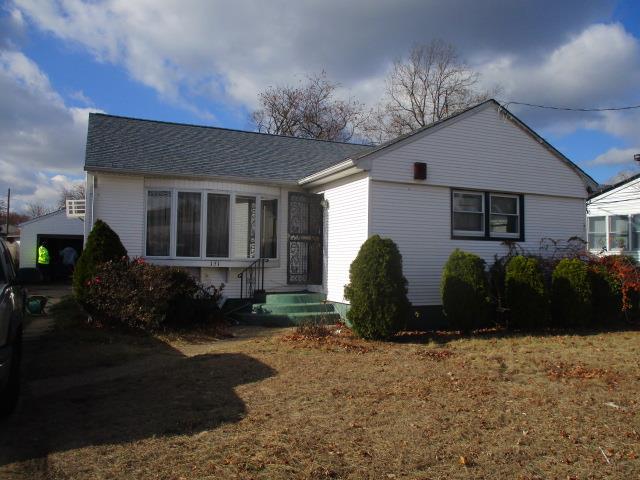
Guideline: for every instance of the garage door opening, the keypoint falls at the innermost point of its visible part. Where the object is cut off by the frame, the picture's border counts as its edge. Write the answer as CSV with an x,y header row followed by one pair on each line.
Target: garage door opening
x,y
58,270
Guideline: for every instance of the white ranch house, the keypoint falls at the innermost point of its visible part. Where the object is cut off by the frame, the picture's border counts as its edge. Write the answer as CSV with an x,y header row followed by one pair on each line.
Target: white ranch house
x,y
217,200
613,219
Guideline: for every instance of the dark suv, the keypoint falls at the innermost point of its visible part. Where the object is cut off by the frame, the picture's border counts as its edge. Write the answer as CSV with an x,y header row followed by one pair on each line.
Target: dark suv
x,y
12,305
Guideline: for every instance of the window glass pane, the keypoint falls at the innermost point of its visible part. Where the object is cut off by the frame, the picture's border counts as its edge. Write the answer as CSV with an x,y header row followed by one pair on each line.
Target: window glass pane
x,y
158,223
619,232
504,223
619,224
469,222
467,202
507,205
597,241
217,225
269,226
635,232
597,225
188,228
244,228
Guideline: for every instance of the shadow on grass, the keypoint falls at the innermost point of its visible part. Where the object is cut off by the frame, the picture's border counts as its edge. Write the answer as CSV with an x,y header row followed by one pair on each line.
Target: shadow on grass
x,y
181,395
442,337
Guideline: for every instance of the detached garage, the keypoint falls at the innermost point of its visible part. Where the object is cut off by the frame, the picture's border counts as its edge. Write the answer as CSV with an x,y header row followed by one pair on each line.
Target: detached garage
x,y
57,231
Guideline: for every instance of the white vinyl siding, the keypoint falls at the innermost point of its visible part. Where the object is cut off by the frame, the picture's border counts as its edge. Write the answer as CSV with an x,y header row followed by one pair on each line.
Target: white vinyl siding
x,y
53,224
418,219
345,230
480,150
119,201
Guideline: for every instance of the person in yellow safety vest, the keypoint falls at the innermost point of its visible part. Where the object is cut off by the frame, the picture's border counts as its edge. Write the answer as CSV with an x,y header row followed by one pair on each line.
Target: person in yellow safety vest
x,y
43,260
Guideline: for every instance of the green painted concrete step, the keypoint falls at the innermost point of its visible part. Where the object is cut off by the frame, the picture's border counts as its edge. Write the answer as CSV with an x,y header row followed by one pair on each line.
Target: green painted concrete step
x,y
286,308
288,298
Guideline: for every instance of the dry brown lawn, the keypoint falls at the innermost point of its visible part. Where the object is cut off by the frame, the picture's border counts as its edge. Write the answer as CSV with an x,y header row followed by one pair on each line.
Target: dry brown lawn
x,y
270,404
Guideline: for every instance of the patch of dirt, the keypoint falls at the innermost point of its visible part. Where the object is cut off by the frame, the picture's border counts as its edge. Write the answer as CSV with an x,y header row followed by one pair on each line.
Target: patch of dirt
x,y
328,338
437,355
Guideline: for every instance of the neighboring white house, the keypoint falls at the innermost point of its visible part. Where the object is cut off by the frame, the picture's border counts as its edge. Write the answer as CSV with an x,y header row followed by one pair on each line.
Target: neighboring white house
x,y
56,229
613,219
216,200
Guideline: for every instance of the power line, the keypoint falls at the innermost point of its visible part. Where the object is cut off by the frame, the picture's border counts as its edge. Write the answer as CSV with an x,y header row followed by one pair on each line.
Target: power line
x,y
570,109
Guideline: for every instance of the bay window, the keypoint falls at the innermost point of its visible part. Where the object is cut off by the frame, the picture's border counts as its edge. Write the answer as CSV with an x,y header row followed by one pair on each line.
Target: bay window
x,y
597,236
188,224
158,223
244,227
217,225
269,228
619,232
204,225
486,215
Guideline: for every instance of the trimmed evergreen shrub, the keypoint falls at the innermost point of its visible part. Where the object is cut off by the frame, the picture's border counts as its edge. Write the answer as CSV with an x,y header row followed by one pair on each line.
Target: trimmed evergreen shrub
x,y
149,297
606,294
526,293
571,293
103,245
465,291
378,290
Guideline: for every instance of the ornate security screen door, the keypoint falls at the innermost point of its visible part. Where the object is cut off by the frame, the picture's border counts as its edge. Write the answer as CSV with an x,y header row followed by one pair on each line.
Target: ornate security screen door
x,y
304,248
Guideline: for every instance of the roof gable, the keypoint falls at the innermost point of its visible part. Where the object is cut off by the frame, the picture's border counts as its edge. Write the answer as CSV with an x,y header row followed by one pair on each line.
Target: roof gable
x,y
151,147
589,182
617,188
484,147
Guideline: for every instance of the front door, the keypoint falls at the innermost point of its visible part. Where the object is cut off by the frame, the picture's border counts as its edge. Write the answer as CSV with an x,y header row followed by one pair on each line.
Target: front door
x,y
304,249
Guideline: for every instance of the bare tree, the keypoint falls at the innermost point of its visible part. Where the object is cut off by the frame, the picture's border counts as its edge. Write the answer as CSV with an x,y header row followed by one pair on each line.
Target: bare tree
x,y
310,110
75,192
37,209
428,85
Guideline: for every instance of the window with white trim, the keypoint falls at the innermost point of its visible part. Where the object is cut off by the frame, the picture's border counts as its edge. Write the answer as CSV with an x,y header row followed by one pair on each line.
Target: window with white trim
x,y
505,215
468,213
597,235
188,224
217,229
244,227
158,223
619,232
210,225
635,231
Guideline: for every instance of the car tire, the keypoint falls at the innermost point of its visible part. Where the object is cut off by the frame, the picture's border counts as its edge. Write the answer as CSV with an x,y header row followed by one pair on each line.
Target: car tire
x,y
9,395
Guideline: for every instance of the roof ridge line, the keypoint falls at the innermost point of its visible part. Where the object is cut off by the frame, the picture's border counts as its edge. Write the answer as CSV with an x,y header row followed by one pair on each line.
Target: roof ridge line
x,y
166,122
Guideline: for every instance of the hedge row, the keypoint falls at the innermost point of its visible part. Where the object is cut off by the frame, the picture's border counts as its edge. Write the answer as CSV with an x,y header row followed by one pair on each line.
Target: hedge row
x,y
578,293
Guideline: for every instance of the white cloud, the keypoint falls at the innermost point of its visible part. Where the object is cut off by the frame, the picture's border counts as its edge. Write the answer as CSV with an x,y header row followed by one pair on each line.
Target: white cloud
x,y
42,138
600,67
616,156
228,51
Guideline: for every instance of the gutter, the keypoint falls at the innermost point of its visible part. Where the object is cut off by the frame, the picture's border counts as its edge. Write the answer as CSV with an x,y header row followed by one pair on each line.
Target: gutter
x,y
224,178
341,167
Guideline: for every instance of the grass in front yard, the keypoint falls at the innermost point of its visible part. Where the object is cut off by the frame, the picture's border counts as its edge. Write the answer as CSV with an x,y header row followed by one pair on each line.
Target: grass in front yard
x,y
272,404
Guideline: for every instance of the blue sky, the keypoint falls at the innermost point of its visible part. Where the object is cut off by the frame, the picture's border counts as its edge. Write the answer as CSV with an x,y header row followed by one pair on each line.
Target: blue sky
x,y
204,61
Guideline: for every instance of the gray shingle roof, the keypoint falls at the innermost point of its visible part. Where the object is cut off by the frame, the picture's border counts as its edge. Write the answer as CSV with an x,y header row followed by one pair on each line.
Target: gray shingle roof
x,y
153,147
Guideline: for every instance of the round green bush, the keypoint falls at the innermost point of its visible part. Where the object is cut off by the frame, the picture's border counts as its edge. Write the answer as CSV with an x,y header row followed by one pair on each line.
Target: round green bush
x,y
378,290
526,293
571,293
103,245
465,291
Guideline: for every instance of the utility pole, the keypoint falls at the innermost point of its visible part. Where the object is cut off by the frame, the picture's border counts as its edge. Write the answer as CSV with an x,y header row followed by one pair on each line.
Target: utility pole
x,y
6,231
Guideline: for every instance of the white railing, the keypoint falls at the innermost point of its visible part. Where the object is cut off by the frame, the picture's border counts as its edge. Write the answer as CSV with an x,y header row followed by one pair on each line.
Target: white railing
x,y
76,208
